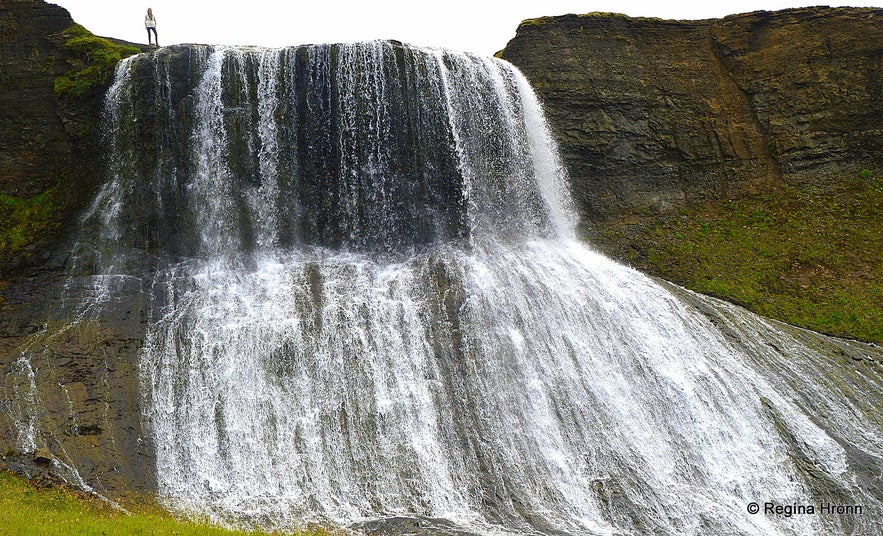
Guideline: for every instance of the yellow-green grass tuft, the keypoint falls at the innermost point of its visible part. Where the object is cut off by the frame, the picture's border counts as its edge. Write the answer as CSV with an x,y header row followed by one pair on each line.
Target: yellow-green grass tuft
x,y
27,510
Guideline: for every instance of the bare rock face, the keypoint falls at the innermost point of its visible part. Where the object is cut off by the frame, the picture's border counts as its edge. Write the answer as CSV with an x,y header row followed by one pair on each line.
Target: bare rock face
x,y
813,78
652,115
34,147
68,397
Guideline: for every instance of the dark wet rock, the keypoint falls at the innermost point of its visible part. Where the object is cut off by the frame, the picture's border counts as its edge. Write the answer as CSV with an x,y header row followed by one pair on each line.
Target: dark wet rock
x,y
411,526
79,380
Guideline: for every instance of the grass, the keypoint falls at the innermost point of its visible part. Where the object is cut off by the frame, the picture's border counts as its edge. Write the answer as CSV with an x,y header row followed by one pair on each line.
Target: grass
x,y
27,510
94,59
807,256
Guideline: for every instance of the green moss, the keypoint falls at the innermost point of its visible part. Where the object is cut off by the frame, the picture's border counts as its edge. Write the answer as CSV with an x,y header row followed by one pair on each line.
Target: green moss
x,y
26,510
602,15
535,22
620,16
22,221
596,15
93,63
805,256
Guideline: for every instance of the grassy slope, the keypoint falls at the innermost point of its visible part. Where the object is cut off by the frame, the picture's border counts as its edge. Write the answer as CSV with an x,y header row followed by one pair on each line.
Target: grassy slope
x,y
809,257
26,510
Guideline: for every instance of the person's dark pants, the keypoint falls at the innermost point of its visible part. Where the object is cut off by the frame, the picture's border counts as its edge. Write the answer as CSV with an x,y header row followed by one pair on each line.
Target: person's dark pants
x,y
155,38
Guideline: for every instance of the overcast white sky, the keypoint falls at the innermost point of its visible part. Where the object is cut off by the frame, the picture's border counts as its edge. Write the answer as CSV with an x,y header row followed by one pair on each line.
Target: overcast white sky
x,y
477,26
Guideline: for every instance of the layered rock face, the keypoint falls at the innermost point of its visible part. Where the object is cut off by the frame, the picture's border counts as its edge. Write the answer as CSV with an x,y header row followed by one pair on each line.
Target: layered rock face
x,y
652,115
85,383
34,145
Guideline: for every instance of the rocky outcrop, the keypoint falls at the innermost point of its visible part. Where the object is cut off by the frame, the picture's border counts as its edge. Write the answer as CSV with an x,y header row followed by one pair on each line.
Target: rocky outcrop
x,y
53,74
35,145
738,157
68,397
653,115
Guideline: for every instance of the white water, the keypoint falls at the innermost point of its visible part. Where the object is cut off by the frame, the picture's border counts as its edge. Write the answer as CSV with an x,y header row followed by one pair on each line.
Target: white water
x,y
506,379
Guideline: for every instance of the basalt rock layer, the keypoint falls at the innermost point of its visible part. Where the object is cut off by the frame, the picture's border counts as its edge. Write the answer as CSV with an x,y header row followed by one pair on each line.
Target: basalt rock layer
x,y
50,164
653,115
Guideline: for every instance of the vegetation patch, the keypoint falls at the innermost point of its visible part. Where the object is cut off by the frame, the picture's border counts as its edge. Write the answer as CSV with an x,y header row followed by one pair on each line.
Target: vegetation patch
x,y
92,63
602,15
536,22
26,510
807,256
22,221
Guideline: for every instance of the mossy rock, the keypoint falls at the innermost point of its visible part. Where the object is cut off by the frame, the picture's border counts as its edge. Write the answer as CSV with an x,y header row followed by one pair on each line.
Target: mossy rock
x,y
24,220
93,60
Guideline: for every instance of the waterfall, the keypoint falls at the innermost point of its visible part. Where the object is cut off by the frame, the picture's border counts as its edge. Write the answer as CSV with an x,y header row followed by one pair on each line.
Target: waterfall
x,y
367,307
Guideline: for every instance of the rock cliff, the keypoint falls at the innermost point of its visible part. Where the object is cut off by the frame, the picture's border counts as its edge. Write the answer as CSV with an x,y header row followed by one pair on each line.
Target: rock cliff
x,y
739,156
654,114
83,386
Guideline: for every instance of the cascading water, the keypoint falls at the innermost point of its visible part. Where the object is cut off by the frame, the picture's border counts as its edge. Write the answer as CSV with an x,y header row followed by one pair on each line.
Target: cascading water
x,y
367,307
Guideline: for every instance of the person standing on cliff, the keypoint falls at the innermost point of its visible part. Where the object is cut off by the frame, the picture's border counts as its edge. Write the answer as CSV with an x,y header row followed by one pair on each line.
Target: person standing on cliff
x,y
150,24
